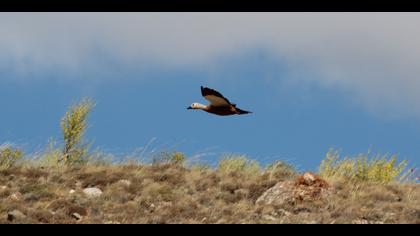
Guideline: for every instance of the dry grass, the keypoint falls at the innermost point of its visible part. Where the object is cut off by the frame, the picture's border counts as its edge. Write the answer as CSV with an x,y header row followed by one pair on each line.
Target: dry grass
x,y
172,193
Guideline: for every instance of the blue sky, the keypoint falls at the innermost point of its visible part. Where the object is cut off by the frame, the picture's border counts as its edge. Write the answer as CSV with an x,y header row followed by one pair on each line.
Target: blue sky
x,y
311,87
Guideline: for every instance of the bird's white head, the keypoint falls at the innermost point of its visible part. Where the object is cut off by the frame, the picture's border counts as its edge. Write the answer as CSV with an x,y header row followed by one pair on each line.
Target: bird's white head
x,y
196,106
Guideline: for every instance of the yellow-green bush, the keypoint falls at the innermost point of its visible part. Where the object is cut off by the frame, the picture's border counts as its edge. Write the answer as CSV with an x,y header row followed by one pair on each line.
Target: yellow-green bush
x,y
177,158
52,156
380,168
239,164
73,125
9,156
280,169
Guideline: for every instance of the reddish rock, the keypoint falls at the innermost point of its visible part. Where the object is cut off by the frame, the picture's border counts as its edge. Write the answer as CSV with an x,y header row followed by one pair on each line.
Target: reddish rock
x,y
307,187
15,215
15,197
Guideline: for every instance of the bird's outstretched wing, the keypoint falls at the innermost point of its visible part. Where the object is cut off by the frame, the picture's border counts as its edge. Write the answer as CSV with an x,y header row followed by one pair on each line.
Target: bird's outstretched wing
x,y
215,98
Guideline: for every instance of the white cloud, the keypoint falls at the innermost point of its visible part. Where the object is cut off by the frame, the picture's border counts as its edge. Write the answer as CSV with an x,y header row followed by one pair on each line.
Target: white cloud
x,y
376,56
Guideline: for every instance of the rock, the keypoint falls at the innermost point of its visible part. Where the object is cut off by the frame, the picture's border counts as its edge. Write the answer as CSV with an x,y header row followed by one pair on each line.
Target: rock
x,y
309,178
269,218
125,182
361,221
112,222
76,211
281,193
364,222
307,187
15,215
15,197
72,191
92,192
282,212
242,192
166,204
76,216
78,184
3,187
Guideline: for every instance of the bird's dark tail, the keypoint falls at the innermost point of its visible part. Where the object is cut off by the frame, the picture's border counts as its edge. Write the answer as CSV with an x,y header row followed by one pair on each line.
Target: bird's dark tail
x,y
242,112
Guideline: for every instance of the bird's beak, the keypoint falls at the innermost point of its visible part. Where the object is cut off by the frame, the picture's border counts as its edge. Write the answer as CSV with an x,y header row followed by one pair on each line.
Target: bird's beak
x,y
189,108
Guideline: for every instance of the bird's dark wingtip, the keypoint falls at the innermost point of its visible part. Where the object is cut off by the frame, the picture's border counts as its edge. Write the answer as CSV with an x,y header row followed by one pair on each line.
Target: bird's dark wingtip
x,y
242,112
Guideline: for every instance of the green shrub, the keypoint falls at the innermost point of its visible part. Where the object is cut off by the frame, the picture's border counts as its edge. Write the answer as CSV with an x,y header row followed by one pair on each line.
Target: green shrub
x,y
239,164
379,169
9,156
73,125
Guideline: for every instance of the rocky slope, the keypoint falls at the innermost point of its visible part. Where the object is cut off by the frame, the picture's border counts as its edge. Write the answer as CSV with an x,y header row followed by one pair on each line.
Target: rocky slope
x,y
168,193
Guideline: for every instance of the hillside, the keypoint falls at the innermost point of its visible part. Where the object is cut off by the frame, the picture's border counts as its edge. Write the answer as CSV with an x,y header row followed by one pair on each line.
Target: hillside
x,y
68,183
172,193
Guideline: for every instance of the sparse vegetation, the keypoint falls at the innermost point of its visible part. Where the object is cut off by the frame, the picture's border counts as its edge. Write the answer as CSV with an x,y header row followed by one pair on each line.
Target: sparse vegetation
x,y
53,156
280,169
240,165
176,158
170,193
379,169
9,156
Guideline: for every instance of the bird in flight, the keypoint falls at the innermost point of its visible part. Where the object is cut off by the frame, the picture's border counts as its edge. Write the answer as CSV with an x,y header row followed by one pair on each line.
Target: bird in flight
x,y
219,105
